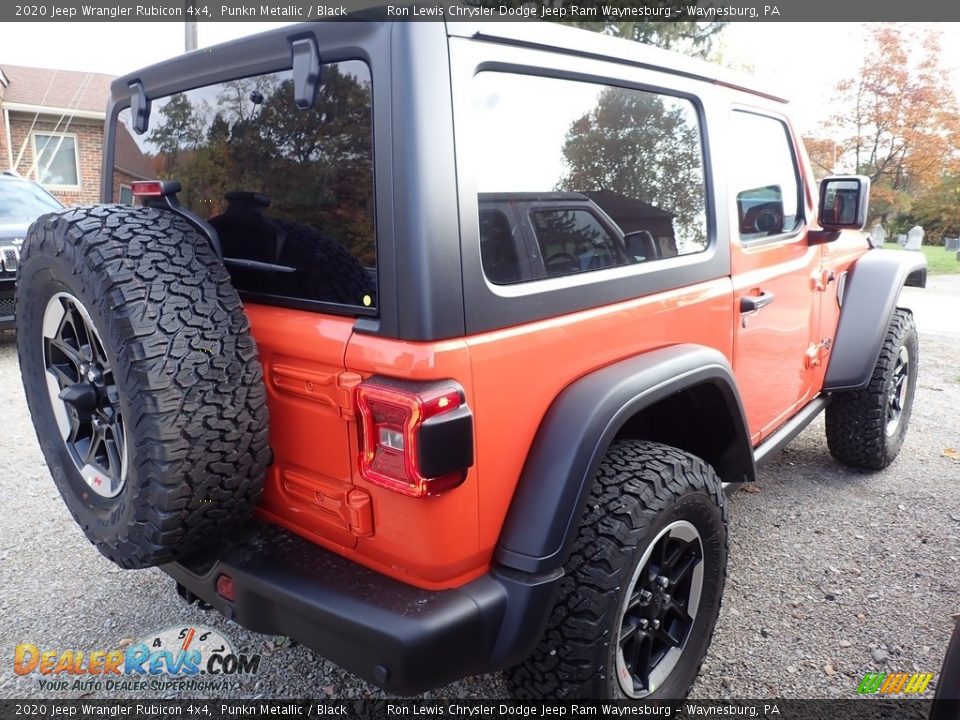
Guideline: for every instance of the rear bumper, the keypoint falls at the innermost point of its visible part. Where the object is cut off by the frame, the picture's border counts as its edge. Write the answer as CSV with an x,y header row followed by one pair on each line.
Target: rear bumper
x,y
398,637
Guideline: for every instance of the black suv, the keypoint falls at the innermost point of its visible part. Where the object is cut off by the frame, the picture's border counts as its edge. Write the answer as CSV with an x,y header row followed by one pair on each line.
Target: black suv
x,y
21,202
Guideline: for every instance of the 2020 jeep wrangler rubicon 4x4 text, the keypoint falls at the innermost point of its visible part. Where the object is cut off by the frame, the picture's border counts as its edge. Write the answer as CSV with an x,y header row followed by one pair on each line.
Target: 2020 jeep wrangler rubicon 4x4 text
x,y
520,302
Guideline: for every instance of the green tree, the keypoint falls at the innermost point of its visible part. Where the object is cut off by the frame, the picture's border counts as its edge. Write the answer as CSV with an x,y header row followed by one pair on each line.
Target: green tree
x,y
938,210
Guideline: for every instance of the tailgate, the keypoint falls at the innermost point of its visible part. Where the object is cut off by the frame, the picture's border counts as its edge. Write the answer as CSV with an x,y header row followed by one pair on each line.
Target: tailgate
x,y
309,488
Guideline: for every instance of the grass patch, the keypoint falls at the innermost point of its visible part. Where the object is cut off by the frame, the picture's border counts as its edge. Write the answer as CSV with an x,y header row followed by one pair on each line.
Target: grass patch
x,y
939,261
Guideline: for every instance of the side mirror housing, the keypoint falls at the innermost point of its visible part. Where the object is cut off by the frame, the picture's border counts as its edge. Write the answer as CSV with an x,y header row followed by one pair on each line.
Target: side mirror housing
x,y
844,201
640,245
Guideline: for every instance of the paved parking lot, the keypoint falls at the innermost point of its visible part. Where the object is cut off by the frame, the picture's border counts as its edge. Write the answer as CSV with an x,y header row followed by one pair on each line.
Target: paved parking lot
x,y
833,572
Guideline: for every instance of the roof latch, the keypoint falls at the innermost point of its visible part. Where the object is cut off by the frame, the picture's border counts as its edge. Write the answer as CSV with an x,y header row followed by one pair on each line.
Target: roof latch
x,y
306,71
139,107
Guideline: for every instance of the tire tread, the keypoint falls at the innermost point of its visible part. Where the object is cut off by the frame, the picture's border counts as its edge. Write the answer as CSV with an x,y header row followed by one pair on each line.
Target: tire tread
x,y
189,368
635,483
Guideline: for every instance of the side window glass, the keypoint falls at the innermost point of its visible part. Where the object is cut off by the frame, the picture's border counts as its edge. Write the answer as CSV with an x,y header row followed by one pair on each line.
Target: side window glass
x,y
601,176
764,177
573,241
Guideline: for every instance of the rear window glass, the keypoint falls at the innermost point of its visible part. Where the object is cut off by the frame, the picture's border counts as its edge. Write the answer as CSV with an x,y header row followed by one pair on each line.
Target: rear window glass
x,y
596,176
289,191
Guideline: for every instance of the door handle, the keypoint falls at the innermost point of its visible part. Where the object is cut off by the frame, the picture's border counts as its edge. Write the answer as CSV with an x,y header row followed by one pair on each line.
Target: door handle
x,y
752,303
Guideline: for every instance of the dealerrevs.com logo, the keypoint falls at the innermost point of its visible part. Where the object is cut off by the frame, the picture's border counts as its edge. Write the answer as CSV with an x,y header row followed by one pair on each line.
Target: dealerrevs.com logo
x,y
182,657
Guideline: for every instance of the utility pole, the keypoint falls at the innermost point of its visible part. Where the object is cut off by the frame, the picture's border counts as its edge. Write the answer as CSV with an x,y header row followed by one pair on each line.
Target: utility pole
x,y
190,26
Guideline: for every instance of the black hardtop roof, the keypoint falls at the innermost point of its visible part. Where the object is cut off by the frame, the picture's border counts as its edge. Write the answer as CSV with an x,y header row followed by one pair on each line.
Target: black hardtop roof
x,y
543,35
555,36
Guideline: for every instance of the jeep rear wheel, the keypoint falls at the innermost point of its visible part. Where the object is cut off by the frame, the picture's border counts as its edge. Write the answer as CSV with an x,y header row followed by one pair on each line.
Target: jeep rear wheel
x,y
866,428
641,595
142,380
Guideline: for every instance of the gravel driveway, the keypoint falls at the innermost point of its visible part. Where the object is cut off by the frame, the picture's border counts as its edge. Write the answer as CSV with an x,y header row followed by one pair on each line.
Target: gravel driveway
x,y
833,572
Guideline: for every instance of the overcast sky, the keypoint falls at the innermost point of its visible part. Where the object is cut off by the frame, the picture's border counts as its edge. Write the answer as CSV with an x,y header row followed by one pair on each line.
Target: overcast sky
x,y
806,59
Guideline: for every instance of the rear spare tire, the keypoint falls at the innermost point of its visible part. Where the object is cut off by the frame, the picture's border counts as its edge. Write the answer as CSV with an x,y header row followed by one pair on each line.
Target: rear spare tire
x,y
142,380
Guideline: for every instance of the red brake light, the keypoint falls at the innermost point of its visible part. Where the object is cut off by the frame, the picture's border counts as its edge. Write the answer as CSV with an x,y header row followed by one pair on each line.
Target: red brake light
x,y
395,433
147,188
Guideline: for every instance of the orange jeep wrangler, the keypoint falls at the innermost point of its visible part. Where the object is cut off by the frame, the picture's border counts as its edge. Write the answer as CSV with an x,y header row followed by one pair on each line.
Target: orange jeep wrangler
x,y
435,346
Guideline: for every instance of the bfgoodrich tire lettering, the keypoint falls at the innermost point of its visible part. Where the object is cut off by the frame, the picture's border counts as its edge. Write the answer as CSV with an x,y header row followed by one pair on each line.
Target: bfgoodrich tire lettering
x,y
866,428
643,493
188,383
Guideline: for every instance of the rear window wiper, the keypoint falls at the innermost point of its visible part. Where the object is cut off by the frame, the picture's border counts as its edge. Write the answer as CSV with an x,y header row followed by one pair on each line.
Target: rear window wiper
x,y
257,265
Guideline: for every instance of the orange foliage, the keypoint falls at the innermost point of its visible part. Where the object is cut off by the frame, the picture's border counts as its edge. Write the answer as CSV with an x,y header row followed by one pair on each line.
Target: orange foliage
x,y
901,126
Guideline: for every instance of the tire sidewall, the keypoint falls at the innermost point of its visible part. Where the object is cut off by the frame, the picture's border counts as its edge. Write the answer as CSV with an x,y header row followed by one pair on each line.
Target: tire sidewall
x,y
910,340
44,277
701,510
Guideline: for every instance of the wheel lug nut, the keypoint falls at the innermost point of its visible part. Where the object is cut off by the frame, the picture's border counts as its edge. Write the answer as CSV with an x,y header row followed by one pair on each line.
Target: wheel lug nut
x,y
643,623
662,581
656,624
645,596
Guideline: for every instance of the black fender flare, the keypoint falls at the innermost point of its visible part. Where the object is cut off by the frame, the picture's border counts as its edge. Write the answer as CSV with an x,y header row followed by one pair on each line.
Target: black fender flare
x,y
868,298
576,432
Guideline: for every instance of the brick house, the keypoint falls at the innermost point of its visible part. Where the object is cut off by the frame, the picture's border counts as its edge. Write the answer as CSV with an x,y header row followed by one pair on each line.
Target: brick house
x,y
51,130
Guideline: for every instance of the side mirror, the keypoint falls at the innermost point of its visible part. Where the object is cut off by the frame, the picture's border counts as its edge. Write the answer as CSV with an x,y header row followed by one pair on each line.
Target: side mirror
x,y
640,245
844,201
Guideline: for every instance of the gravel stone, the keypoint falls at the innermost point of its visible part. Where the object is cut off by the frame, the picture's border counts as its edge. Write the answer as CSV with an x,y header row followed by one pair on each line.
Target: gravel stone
x,y
812,514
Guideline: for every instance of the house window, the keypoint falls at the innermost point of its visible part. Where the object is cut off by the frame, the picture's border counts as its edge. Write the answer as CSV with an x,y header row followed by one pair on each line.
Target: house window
x,y
126,195
56,159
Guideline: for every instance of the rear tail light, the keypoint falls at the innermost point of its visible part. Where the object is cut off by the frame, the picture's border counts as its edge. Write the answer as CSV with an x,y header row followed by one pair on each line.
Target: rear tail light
x,y
416,438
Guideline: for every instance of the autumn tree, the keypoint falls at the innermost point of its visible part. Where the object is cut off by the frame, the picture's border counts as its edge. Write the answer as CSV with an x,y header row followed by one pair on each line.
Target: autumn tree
x,y
642,146
823,155
900,123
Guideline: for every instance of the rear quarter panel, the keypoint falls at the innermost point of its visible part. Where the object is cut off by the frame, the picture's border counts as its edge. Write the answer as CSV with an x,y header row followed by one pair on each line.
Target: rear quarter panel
x,y
517,373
